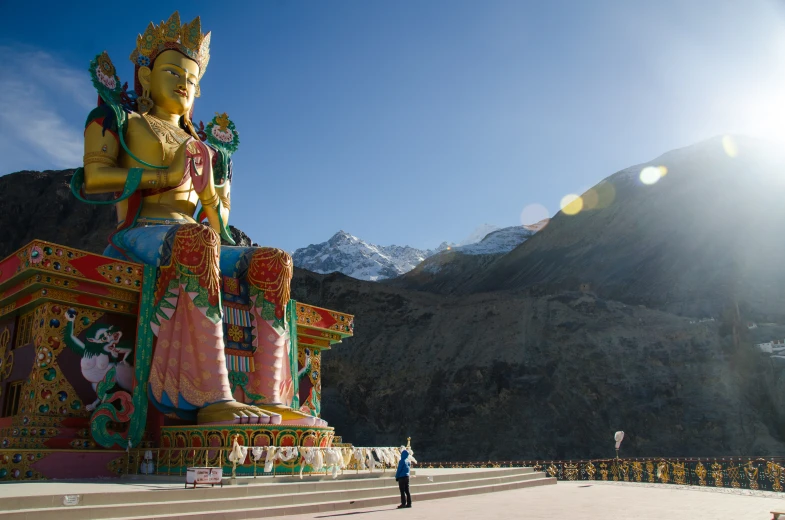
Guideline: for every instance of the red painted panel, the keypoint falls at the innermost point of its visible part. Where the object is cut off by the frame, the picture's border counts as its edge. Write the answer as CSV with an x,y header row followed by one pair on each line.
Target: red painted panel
x,y
9,267
76,465
88,266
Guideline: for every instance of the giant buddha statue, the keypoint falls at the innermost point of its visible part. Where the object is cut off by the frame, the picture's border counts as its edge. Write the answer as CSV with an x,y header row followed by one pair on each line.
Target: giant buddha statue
x,y
142,146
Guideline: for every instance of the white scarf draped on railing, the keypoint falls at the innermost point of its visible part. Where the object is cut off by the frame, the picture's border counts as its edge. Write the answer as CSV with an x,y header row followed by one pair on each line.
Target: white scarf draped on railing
x,y
334,459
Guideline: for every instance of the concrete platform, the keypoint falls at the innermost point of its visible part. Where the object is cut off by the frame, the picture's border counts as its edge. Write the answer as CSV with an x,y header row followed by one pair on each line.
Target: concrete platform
x,y
585,501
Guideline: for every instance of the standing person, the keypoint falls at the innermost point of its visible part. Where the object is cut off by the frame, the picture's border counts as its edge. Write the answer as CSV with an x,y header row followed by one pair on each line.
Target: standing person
x,y
402,477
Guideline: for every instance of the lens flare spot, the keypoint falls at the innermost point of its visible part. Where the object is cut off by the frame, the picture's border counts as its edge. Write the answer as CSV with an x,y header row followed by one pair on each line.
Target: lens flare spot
x,y
591,199
571,204
663,171
730,147
533,213
650,175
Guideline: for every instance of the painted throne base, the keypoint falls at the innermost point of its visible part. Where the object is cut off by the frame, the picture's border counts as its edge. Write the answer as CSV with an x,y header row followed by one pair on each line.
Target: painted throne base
x,y
203,436
184,446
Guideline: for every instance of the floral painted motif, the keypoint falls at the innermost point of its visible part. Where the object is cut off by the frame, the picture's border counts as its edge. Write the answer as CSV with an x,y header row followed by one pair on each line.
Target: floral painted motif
x,y
105,78
106,72
235,333
222,134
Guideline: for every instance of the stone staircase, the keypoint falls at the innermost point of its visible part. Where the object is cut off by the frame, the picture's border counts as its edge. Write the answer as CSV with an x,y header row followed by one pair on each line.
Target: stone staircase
x,y
266,497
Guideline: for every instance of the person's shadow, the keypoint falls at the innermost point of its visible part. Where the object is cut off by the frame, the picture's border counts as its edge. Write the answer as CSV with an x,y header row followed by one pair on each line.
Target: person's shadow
x,y
353,513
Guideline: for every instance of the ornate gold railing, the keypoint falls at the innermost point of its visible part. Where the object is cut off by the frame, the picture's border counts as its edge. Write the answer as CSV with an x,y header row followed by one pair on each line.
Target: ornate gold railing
x,y
175,461
755,473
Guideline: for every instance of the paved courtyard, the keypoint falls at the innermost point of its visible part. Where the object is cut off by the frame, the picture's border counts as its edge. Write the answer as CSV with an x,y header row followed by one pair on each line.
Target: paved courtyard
x,y
584,501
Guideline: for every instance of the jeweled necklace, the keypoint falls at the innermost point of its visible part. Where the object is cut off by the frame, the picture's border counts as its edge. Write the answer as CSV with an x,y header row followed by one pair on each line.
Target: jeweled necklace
x,y
167,132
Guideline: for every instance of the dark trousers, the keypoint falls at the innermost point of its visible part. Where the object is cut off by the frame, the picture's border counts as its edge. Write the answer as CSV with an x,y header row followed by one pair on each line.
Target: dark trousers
x,y
403,486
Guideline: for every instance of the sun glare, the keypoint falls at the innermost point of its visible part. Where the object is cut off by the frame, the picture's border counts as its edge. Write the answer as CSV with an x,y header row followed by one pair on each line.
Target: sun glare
x,y
650,175
571,204
729,145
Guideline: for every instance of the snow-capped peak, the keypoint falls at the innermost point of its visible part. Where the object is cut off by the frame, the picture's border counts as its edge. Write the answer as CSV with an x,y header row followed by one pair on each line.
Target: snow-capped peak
x,y
496,242
354,257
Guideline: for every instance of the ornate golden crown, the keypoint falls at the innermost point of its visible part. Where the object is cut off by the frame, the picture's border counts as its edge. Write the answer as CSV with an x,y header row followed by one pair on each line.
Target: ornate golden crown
x,y
186,38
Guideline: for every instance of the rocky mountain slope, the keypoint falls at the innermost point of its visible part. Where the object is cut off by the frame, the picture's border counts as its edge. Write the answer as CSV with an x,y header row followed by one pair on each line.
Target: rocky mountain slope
x,y
506,375
708,233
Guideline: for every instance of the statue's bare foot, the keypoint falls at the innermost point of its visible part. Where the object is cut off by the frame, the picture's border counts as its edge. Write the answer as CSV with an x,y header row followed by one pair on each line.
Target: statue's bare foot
x,y
291,416
232,412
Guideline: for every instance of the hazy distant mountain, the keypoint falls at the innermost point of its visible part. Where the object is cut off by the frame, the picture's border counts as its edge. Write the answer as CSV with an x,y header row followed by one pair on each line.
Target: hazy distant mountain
x,y
454,267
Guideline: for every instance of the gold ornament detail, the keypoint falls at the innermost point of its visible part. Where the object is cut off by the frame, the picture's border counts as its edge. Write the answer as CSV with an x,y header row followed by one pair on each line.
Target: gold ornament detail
x,y
637,470
734,474
144,103
186,38
100,158
679,473
752,475
774,472
6,354
700,470
716,474
663,473
235,333
222,120
166,132
571,471
591,470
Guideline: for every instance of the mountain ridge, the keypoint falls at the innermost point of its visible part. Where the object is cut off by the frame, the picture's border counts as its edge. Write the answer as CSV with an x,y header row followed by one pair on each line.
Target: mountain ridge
x,y
352,256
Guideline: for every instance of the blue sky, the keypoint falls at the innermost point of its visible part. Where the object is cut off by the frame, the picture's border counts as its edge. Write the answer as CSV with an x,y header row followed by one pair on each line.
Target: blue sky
x,y
411,122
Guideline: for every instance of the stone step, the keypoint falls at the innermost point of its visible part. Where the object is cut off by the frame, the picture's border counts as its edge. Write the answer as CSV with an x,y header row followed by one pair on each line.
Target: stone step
x,y
327,507
261,486
202,501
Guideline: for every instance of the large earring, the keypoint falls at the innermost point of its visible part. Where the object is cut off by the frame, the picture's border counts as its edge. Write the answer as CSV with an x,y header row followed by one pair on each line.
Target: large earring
x,y
143,103
190,127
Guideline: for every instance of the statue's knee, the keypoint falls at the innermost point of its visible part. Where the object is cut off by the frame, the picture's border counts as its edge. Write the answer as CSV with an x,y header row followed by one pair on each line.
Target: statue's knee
x,y
271,259
198,235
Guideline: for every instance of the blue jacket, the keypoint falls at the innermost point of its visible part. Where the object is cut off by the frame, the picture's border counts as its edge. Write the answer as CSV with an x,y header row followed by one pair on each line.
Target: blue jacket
x,y
403,465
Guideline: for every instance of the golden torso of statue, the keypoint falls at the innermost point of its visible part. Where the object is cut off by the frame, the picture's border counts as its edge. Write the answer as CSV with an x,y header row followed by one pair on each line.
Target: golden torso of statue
x,y
156,136
155,141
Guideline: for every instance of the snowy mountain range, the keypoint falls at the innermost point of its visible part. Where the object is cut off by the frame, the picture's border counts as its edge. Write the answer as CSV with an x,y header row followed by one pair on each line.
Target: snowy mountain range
x,y
359,259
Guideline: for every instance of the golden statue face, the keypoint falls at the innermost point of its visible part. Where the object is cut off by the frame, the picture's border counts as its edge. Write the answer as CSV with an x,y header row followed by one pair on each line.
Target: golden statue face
x,y
173,82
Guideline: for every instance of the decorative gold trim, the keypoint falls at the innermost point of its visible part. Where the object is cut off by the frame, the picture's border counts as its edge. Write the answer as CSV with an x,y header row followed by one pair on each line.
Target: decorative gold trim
x,y
166,132
99,158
